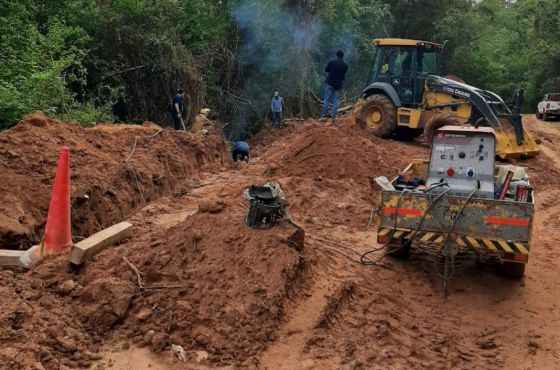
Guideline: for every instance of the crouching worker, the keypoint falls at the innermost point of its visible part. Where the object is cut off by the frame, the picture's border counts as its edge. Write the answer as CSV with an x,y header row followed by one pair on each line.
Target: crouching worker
x,y
240,149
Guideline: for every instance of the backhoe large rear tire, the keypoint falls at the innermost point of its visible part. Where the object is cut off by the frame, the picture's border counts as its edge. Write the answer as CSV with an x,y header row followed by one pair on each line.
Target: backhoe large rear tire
x,y
437,122
378,115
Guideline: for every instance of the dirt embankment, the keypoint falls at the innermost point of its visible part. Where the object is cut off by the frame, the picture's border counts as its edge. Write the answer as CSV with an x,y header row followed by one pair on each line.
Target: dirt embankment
x,y
104,188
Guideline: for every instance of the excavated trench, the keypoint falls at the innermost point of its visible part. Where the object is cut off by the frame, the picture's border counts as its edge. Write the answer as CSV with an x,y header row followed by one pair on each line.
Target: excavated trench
x,y
200,277
105,188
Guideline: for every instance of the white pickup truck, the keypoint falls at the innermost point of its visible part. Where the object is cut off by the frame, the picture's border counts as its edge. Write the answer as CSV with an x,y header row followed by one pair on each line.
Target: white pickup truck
x,y
549,106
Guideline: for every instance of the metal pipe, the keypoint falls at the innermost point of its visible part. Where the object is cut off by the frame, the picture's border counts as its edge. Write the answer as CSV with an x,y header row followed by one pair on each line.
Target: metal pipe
x,y
505,185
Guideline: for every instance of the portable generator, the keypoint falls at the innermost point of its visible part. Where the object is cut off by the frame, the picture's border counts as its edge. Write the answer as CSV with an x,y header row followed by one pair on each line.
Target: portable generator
x,y
460,201
463,158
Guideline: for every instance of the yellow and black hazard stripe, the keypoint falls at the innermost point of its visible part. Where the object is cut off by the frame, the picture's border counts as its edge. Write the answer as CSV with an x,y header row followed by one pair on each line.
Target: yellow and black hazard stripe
x,y
493,245
462,241
422,236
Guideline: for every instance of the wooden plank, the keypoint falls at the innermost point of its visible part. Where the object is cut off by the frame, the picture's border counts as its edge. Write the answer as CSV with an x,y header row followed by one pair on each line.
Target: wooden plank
x,y
87,248
11,258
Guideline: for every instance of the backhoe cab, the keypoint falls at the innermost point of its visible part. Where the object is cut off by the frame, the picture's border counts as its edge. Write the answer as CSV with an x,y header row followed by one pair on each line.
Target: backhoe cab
x,y
407,97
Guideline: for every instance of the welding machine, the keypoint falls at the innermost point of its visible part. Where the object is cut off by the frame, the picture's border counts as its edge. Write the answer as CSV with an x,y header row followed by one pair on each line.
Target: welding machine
x,y
463,158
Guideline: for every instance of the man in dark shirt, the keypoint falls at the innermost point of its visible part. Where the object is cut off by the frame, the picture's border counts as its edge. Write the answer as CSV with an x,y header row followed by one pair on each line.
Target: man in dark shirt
x,y
240,149
336,72
177,109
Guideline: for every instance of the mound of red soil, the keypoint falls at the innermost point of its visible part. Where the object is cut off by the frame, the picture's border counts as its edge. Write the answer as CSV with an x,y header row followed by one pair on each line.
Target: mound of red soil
x,y
208,284
104,188
40,330
218,286
328,169
339,151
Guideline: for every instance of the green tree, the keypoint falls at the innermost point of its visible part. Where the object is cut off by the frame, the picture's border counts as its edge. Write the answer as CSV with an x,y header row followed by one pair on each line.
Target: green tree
x,y
38,67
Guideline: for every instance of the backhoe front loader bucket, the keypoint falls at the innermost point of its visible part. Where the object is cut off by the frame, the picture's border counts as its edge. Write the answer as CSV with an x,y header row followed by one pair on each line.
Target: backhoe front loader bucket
x,y
506,143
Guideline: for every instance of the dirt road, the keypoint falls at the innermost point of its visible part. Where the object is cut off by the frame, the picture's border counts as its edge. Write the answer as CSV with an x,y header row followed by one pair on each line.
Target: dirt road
x,y
233,297
397,317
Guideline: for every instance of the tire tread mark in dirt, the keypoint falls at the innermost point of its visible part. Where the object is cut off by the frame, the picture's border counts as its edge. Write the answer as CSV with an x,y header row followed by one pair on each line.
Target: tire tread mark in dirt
x,y
285,352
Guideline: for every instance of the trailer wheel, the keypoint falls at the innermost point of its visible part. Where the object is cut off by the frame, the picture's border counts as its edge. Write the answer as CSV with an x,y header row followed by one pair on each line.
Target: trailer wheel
x,y
512,269
436,122
378,115
399,250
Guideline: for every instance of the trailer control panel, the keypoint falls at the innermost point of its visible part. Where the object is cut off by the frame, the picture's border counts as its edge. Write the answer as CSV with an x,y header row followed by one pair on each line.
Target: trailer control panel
x,y
463,157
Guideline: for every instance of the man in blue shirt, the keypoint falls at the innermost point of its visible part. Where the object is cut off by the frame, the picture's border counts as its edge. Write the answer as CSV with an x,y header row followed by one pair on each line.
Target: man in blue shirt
x,y
240,148
336,72
276,105
177,110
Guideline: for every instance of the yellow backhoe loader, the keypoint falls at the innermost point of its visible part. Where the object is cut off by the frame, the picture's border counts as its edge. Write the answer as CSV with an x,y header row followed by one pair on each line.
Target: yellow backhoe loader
x,y
408,97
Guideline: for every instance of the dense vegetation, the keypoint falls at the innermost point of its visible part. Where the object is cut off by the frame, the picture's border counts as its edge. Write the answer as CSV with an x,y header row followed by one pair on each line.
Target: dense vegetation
x,y
104,60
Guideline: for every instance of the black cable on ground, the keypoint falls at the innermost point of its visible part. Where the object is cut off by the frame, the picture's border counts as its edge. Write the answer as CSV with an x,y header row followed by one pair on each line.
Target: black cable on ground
x,y
337,245
364,260
368,262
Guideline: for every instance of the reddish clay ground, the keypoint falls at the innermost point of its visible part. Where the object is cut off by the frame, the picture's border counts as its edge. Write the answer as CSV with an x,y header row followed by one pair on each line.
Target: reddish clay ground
x,y
233,297
104,189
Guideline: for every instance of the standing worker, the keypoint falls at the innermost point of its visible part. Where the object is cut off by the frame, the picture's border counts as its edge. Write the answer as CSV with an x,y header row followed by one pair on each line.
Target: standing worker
x,y
177,109
240,148
336,72
277,105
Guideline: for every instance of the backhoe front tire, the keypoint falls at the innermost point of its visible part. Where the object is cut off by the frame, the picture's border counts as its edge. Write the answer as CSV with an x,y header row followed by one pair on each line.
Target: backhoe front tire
x,y
539,116
437,122
378,115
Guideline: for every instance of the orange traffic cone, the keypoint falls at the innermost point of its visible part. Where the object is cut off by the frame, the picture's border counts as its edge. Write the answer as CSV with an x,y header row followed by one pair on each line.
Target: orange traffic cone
x,y
58,234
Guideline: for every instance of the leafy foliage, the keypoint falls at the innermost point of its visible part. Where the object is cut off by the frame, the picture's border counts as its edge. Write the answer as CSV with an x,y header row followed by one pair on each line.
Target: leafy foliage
x,y
39,67
502,46
98,60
